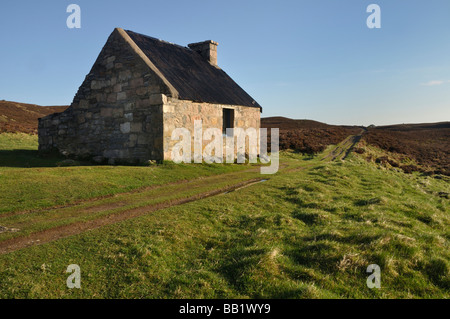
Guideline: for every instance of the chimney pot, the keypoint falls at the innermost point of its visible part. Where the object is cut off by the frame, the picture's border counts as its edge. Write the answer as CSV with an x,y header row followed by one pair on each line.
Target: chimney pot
x,y
207,49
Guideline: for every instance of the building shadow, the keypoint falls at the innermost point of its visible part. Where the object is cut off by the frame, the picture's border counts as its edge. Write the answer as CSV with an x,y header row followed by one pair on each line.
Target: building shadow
x,y
27,158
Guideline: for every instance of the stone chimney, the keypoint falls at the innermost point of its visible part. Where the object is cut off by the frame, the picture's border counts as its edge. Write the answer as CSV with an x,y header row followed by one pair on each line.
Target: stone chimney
x,y
207,49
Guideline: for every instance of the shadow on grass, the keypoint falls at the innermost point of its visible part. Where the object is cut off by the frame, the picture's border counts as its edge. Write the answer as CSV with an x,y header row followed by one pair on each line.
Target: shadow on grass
x,y
27,158
319,256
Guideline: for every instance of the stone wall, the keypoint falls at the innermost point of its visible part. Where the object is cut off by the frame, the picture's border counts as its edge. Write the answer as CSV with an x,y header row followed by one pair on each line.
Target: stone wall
x,y
182,114
116,115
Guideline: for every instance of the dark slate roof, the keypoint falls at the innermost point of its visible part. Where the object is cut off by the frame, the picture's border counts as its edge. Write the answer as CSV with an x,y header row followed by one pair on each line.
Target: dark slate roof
x,y
190,74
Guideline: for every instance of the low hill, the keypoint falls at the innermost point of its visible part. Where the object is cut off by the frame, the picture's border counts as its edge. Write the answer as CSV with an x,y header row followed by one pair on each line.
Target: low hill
x,y
284,123
22,117
428,144
414,127
307,136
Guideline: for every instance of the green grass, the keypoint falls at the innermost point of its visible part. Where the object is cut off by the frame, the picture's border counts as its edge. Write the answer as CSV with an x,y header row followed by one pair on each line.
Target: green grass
x,y
308,233
28,181
48,218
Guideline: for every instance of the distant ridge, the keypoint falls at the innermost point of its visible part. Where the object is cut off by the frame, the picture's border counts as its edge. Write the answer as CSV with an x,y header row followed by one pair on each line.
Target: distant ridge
x,y
287,123
23,117
419,126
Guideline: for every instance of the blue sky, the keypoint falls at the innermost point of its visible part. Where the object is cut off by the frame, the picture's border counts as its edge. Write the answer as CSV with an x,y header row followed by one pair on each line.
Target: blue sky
x,y
313,59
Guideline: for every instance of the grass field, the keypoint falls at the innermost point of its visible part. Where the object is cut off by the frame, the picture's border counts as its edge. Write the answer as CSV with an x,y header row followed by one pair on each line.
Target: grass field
x,y
28,181
309,231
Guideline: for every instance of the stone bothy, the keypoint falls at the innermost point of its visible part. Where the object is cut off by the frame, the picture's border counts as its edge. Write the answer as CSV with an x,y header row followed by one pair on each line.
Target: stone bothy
x,y
138,91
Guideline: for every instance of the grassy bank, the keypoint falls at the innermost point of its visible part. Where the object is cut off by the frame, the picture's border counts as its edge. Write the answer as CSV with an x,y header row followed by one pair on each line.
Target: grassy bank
x,y
305,233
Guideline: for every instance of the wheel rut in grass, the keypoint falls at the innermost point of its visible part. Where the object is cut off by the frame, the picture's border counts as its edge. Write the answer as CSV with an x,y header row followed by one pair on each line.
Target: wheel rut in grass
x,y
94,200
343,149
64,231
49,224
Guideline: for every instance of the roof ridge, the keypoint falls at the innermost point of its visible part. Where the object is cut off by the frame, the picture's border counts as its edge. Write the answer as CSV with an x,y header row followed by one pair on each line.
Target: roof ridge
x,y
160,40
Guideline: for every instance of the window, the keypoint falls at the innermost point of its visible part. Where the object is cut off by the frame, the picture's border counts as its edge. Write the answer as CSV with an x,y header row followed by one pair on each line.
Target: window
x,y
228,120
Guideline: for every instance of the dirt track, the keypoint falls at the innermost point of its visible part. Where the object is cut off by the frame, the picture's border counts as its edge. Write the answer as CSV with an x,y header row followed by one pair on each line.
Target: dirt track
x,y
79,227
343,149
119,201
